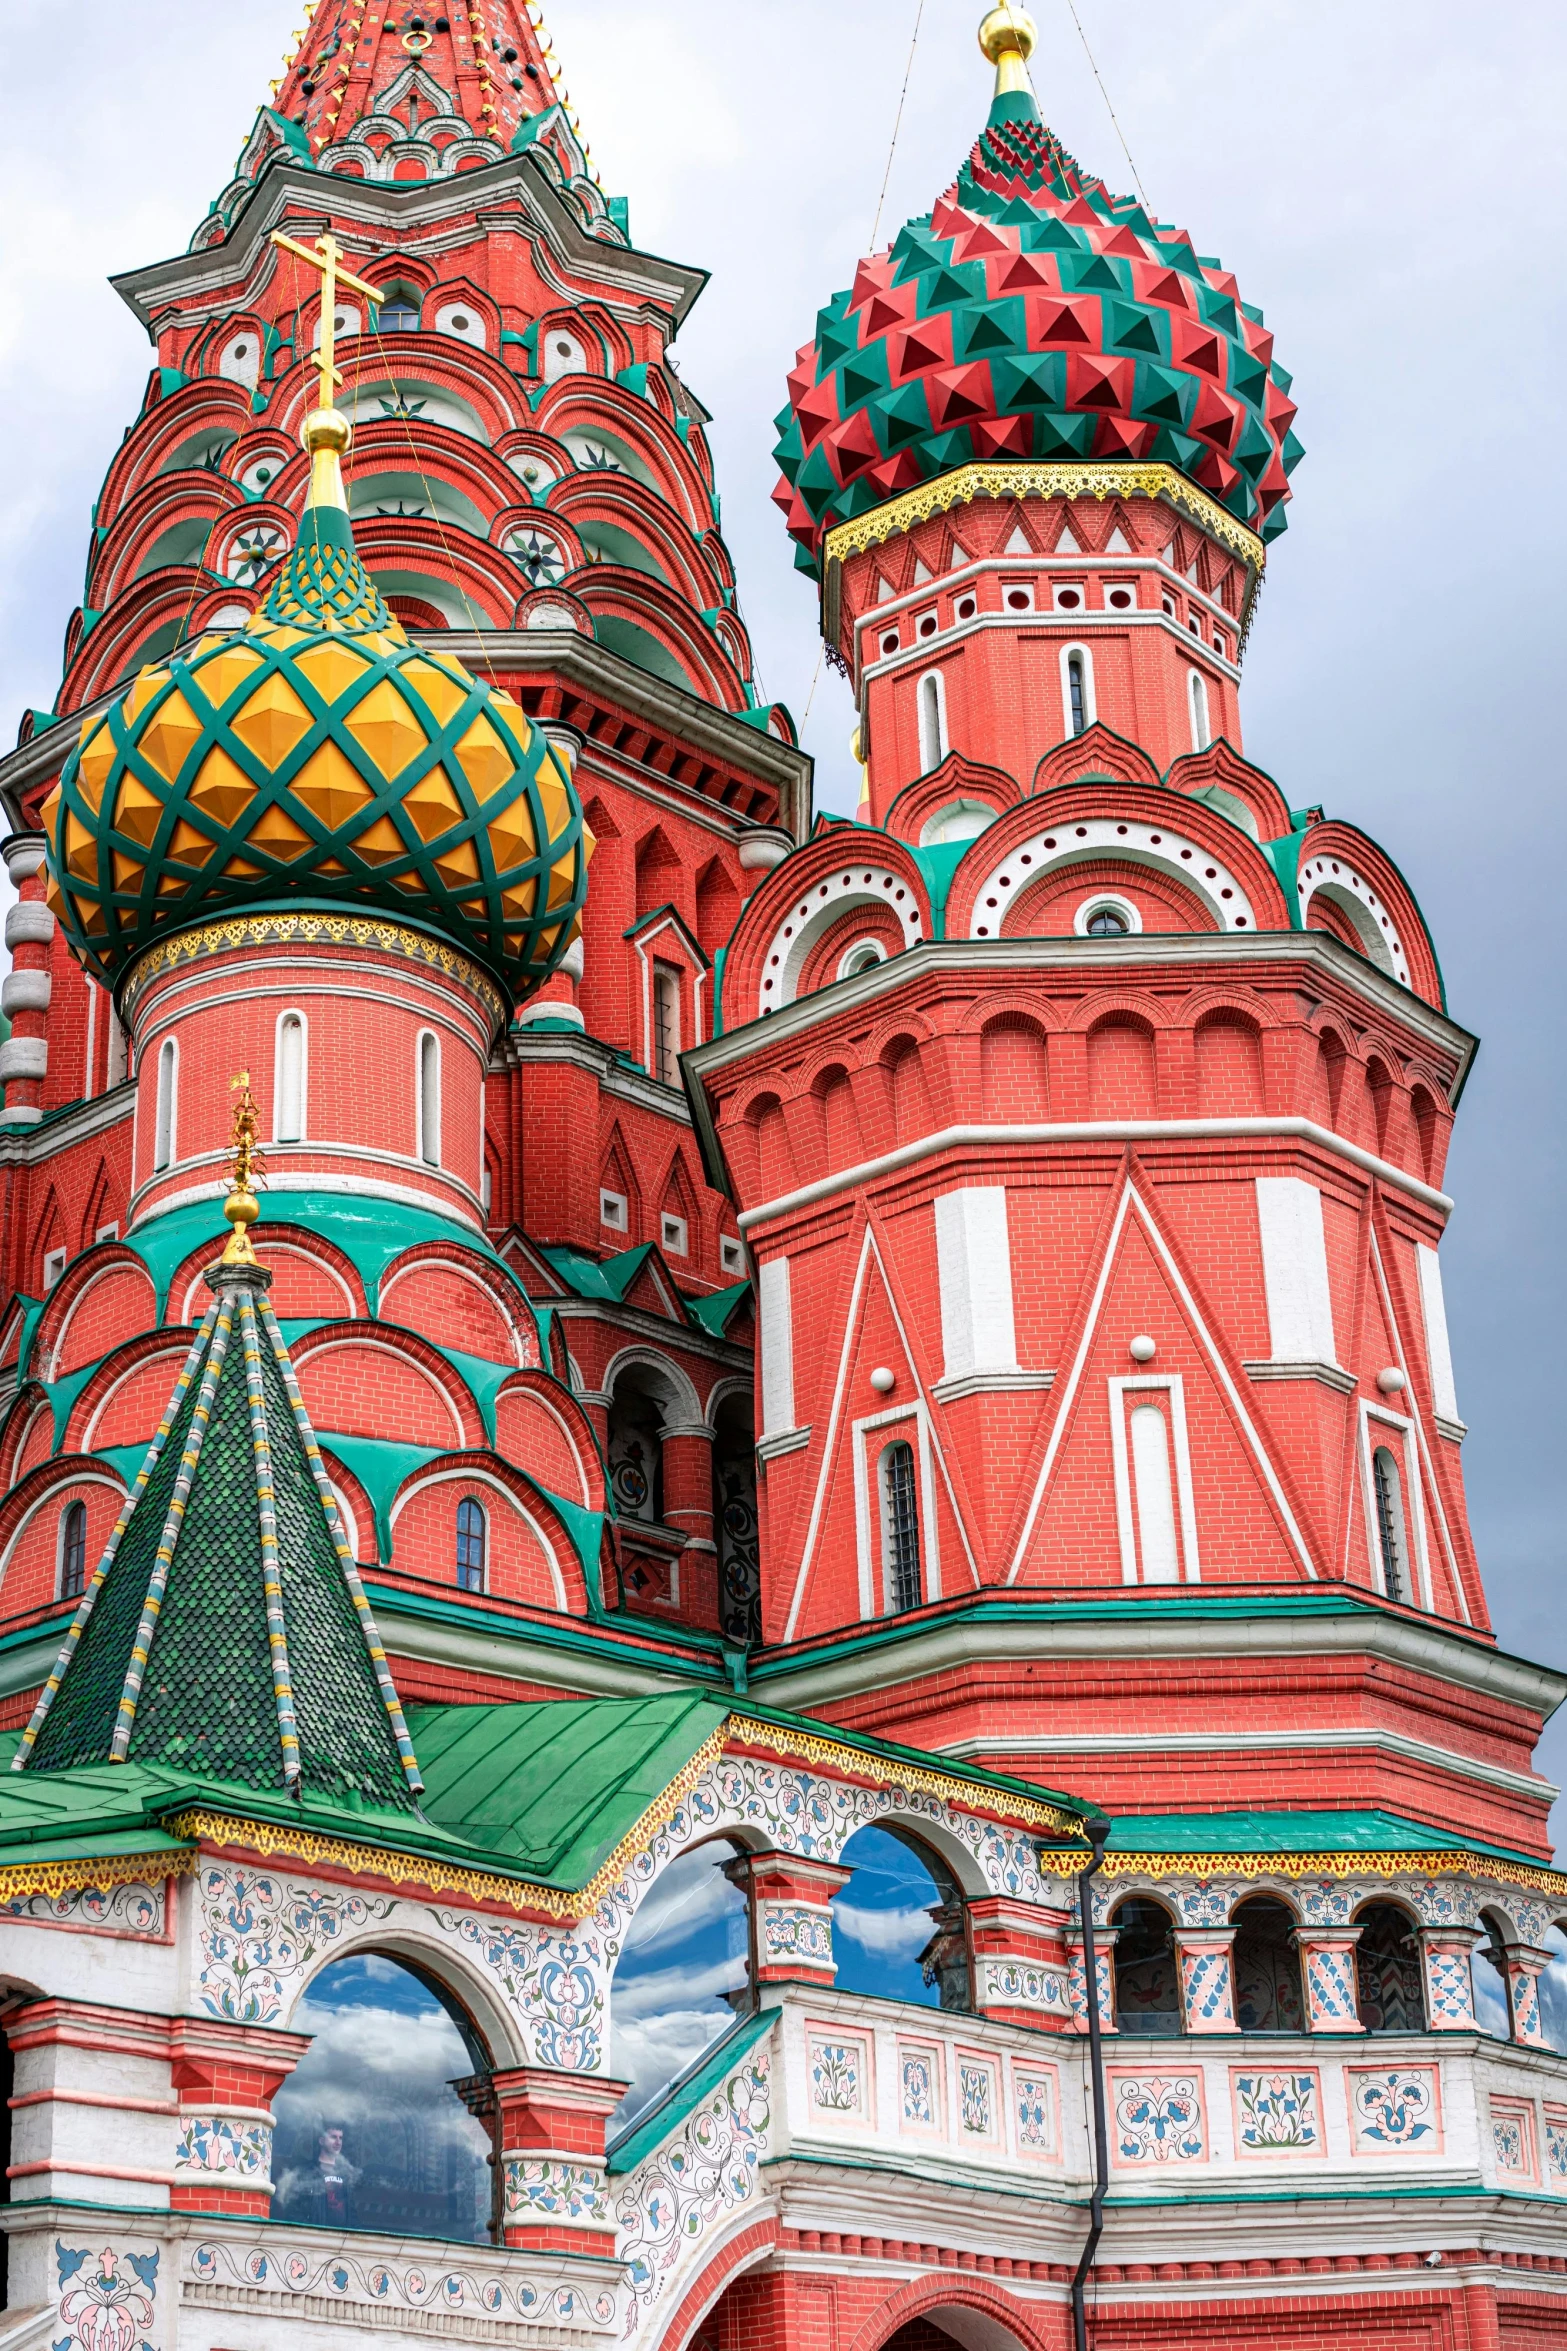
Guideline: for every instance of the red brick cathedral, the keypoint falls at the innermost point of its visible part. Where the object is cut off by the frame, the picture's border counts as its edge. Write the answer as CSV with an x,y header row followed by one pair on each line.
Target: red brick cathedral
x,y
610,1387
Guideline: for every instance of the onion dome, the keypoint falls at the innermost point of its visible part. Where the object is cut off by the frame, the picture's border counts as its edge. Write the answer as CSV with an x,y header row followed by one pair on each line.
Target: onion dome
x,y
1032,316
322,759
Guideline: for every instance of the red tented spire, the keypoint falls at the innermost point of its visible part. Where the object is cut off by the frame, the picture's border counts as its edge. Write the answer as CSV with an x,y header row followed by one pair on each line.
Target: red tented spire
x,y
359,60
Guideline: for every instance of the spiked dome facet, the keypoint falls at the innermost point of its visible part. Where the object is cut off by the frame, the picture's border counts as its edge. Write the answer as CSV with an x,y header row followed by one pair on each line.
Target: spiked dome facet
x,y
319,759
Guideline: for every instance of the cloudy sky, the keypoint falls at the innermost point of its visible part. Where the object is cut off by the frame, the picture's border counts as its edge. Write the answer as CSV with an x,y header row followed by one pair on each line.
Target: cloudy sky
x,y
1387,183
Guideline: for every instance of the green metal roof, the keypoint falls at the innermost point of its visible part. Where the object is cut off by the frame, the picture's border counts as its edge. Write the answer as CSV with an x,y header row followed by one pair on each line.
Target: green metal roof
x,y
551,1786
1294,1832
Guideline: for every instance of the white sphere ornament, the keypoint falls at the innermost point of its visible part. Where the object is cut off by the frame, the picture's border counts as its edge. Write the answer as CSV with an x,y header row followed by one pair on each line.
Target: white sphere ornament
x,y
883,1380
1392,1381
1142,1349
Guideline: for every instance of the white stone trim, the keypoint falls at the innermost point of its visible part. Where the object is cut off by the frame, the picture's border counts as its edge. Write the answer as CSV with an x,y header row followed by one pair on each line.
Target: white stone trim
x,y
1158,847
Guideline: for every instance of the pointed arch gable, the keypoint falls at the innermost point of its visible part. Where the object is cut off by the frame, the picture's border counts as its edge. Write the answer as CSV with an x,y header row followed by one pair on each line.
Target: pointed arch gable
x,y
1132,1201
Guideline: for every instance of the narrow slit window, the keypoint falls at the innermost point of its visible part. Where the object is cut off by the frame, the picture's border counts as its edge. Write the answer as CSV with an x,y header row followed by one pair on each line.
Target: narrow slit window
x,y
1157,1541
933,721
1392,1538
73,1551
1202,732
430,1099
1077,697
472,1544
163,1117
666,1025
901,1528
291,1078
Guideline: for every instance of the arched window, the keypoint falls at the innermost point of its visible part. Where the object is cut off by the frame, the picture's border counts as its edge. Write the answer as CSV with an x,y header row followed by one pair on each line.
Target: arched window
x,y
1078,709
1553,1988
897,1926
370,2133
933,720
73,1550
1202,732
1488,1973
684,1959
735,1522
473,1542
1077,698
666,1024
1147,1982
1392,1538
636,1446
163,1130
398,312
900,1522
1391,1996
288,1091
1267,1969
430,1098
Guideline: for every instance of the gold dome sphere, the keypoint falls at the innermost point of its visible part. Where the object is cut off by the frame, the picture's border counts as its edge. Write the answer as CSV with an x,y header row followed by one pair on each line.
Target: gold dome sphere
x,y
326,428
1008,30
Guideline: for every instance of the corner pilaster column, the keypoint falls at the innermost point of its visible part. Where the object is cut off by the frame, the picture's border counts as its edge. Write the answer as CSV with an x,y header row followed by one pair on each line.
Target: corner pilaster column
x,y
24,998
1445,1954
1207,1978
1525,1966
1022,1972
226,2077
791,1910
688,1507
1077,1977
548,2130
1328,1966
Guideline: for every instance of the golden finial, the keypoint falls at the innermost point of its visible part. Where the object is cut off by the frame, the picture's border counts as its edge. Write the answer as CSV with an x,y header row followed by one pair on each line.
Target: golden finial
x,y
242,1207
326,431
1009,37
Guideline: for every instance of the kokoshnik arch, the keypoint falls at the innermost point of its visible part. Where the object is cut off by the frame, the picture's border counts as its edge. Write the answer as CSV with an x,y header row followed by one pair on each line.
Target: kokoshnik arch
x,y
753,1349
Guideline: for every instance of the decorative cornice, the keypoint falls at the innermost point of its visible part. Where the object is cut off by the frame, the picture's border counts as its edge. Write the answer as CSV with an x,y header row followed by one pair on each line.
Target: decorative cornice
x,y
267,928
1022,480
1447,1863
97,1871
931,1780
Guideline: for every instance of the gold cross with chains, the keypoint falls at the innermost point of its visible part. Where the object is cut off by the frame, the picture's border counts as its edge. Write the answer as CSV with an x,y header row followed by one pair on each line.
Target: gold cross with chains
x,y
327,257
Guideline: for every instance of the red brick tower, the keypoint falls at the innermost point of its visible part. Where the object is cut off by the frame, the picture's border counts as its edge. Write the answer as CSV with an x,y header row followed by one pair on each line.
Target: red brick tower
x,y
1086,1102
532,496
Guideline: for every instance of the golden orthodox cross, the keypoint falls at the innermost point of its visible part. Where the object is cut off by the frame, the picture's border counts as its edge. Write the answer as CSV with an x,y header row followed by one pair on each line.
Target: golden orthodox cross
x,y
327,257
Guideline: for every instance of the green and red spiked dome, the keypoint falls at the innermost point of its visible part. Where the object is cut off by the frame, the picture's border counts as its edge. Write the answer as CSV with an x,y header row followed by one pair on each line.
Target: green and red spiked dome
x,y
1032,317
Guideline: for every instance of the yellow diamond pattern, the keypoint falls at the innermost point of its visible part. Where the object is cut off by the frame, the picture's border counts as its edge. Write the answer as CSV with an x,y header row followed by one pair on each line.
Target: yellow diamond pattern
x,y
275,831
190,846
433,804
511,836
386,729
272,721
229,669
459,865
93,768
137,810
486,761
331,669
380,842
330,788
444,693
167,738
221,790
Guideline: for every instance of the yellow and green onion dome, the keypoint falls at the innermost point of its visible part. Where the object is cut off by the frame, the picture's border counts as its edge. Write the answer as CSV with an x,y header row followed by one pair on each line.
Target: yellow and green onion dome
x,y
318,760
1030,318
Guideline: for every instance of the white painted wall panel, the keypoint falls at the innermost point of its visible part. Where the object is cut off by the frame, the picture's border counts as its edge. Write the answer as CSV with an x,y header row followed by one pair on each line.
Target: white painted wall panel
x,y
1295,1271
974,1265
775,1314
1439,1353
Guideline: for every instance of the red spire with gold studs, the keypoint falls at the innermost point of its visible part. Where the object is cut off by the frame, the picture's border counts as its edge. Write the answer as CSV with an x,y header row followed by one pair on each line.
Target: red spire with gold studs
x,y
491,58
